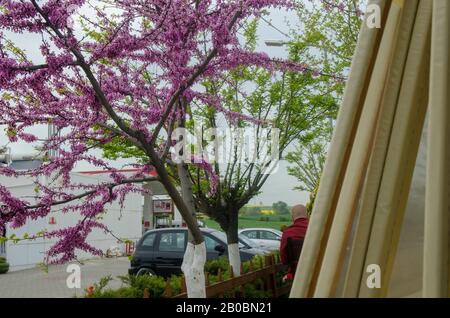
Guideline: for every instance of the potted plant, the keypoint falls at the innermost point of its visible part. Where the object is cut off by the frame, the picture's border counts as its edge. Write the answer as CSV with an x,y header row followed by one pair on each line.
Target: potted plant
x,y
4,265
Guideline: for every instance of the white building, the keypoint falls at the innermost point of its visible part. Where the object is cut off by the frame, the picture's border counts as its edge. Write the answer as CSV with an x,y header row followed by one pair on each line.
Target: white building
x,y
128,223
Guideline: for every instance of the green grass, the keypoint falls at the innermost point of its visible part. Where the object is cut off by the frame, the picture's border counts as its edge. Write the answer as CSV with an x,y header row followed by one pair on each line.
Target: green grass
x,y
247,222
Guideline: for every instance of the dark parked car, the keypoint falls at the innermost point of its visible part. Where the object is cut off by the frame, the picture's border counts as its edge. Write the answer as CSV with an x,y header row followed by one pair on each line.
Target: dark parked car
x,y
161,251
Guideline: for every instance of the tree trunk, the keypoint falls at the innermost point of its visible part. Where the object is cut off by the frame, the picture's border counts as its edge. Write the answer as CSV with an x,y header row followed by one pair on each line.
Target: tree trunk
x,y
195,255
234,256
186,193
193,268
175,195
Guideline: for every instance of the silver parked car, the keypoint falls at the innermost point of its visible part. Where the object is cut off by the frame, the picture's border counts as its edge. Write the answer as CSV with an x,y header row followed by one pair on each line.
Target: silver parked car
x,y
264,238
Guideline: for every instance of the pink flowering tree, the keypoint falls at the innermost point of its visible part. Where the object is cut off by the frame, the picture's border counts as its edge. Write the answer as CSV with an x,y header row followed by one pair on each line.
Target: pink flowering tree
x,y
298,98
129,73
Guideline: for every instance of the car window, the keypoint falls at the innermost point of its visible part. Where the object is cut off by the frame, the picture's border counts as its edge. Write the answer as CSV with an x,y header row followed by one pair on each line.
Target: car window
x,y
172,242
246,242
277,232
267,235
251,234
211,243
148,240
223,237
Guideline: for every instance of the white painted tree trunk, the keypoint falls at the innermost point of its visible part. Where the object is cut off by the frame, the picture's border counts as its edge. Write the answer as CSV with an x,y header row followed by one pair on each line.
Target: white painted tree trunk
x,y
193,269
193,265
234,258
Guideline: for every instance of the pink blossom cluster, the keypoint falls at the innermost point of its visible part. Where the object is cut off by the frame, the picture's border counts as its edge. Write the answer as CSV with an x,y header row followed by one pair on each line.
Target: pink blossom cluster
x,y
126,76
208,168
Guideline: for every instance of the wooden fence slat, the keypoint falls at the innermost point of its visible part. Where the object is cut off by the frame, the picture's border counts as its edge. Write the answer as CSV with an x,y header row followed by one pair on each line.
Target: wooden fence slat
x,y
231,277
284,290
273,281
265,273
168,290
242,291
267,286
183,285
220,294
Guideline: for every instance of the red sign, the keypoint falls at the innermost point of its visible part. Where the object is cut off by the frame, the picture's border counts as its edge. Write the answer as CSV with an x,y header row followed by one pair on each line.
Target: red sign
x,y
52,220
162,206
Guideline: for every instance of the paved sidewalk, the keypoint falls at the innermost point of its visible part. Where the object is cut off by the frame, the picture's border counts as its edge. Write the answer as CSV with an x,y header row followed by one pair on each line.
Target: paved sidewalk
x,y
35,283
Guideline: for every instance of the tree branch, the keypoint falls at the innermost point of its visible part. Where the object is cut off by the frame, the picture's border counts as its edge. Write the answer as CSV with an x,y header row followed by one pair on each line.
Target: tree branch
x,y
85,194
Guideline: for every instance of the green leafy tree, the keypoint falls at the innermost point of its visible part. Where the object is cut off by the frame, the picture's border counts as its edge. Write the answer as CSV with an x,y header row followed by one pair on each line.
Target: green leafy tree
x,y
280,208
307,164
299,103
331,33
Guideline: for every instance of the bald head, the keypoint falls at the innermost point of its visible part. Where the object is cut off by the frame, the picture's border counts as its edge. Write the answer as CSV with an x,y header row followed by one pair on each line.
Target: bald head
x,y
299,212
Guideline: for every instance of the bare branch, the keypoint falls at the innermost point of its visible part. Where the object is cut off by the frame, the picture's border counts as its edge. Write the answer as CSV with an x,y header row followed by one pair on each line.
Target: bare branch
x,y
88,193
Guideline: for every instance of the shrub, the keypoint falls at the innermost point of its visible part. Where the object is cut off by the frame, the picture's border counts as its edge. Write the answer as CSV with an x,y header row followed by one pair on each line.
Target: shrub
x,y
212,267
134,286
4,268
154,284
4,265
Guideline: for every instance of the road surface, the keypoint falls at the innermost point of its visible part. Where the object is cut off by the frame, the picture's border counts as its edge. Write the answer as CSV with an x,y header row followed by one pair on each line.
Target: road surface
x,y
31,283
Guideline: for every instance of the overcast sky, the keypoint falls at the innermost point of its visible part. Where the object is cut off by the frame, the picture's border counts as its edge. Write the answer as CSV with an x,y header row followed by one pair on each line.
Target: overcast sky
x,y
279,186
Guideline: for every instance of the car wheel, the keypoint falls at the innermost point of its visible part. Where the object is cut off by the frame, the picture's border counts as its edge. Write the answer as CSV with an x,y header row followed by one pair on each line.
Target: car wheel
x,y
145,271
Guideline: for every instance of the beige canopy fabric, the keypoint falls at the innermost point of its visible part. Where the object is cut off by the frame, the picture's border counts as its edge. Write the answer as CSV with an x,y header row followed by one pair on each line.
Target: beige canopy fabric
x,y
340,148
399,71
436,249
378,159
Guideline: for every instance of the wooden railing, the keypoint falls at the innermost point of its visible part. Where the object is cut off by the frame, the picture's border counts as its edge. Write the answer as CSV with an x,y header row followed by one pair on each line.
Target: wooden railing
x,y
235,285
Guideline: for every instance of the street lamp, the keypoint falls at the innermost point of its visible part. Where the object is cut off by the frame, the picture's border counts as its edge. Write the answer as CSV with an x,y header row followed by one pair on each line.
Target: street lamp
x,y
280,43
277,43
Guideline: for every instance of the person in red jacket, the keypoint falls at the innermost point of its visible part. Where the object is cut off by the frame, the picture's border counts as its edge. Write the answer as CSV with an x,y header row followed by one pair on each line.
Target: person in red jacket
x,y
292,239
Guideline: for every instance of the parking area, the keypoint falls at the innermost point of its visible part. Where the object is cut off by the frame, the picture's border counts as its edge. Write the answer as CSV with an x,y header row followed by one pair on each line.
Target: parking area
x,y
36,283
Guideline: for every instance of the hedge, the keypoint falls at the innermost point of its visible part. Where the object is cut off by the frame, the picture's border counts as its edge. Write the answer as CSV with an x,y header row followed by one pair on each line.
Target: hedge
x,y
134,286
4,266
